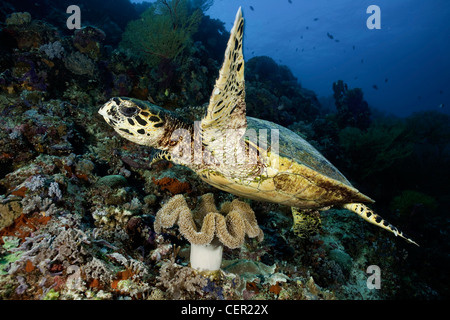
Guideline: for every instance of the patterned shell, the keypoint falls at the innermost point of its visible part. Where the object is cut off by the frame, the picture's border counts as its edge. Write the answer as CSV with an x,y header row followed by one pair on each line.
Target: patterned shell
x,y
302,175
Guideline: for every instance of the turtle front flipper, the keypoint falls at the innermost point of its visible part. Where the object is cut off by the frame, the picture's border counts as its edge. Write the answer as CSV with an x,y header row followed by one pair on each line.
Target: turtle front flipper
x,y
367,214
226,109
161,155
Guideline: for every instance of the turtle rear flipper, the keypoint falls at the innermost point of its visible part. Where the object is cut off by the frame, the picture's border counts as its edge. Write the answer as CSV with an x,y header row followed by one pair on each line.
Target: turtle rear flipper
x,y
367,214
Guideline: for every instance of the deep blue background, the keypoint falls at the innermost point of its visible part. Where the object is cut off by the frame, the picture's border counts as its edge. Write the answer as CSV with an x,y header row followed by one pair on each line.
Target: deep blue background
x,y
408,59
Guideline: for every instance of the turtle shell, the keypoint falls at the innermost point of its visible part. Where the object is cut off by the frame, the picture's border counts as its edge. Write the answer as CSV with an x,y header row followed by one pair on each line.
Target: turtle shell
x,y
294,173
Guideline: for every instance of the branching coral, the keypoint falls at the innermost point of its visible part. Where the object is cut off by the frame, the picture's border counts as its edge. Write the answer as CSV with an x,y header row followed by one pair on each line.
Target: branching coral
x,y
227,227
180,281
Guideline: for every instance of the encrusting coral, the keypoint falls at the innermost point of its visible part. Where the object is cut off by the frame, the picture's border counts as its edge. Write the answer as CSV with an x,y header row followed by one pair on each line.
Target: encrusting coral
x,y
225,227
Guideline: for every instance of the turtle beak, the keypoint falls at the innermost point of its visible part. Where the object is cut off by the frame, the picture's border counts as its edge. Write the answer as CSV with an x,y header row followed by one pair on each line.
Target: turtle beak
x,y
103,110
108,109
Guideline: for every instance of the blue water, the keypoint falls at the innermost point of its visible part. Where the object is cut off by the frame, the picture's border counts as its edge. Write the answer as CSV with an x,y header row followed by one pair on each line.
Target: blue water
x,y
408,59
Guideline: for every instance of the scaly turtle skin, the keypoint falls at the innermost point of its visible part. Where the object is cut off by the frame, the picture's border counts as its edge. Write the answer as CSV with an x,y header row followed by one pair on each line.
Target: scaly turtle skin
x,y
226,152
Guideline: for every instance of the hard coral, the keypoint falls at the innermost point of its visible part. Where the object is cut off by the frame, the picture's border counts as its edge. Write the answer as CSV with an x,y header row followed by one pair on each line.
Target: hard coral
x,y
18,19
180,282
88,40
9,210
80,64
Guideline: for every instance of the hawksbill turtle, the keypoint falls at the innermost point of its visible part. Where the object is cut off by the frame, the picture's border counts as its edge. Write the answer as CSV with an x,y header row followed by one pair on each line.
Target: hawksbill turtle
x,y
223,151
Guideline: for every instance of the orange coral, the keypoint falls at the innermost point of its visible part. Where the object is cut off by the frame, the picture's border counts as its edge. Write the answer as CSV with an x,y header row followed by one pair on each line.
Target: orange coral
x,y
252,286
95,283
29,266
82,176
276,288
172,185
6,155
23,226
121,275
20,192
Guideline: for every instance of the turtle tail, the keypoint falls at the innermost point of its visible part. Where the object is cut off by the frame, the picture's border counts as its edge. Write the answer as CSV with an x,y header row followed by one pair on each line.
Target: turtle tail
x,y
367,214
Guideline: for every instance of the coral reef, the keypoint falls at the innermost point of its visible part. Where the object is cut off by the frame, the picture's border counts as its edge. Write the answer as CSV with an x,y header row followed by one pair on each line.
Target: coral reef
x,y
80,208
274,94
352,109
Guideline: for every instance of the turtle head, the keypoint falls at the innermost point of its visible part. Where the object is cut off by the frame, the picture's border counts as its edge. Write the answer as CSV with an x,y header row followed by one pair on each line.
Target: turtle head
x,y
138,121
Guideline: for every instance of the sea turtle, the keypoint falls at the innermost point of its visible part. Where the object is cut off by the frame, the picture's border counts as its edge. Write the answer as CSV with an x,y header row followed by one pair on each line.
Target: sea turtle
x,y
223,150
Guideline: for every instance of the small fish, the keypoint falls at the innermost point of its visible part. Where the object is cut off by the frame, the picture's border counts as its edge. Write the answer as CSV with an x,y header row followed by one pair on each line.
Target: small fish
x,y
336,40
290,1
301,37
296,49
441,91
251,8
353,47
375,87
329,35
441,106
386,80
315,19
362,60
307,28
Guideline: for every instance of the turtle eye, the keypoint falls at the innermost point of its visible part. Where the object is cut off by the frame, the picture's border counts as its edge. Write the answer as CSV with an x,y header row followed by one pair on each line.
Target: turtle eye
x,y
128,111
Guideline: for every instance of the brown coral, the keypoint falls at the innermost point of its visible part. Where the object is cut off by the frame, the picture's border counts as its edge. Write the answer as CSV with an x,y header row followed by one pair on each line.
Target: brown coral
x,y
235,220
